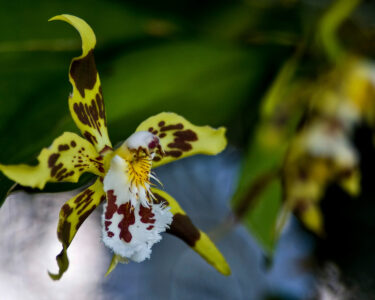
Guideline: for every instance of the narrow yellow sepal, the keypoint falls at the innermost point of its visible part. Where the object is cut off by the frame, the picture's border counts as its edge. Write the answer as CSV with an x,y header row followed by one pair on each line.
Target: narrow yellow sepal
x,y
72,215
179,138
85,31
183,228
65,160
206,248
86,103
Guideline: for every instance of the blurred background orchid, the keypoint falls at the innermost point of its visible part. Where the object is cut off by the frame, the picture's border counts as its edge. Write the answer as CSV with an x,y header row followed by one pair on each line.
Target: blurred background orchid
x,y
290,203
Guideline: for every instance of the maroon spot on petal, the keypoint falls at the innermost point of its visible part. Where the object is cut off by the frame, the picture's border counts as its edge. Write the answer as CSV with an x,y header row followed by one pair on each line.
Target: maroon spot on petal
x,y
172,127
111,204
63,147
73,144
157,158
129,219
83,72
161,135
146,215
101,169
99,158
110,234
151,129
161,123
183,228
150,227
152,145
106,225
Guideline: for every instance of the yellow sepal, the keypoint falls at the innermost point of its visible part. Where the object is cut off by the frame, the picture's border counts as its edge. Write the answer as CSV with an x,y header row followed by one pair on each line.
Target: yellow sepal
x,y
72,214
179,138
65,160
87,34
86,102
183,228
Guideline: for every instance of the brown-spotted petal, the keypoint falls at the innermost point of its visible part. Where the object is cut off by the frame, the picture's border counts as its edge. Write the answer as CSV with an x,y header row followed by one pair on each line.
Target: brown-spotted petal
x,y
72,214
183,228
65,160
86,101
179,138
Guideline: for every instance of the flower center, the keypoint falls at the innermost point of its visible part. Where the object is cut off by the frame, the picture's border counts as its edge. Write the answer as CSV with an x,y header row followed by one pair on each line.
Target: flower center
x,y
139,170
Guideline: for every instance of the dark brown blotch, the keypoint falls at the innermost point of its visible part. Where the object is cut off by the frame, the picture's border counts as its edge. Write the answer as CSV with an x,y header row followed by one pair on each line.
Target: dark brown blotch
x,y
84,73
52,159
84,216
182,139
63,232
178,126
63,147
92,139
183,228
173,153
66,210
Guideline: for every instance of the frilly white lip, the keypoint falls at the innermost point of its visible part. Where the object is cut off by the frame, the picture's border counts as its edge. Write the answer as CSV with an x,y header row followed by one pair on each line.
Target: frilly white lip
x,y
131,222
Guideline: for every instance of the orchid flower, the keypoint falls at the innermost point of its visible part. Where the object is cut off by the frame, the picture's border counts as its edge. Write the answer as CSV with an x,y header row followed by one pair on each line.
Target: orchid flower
x,y
135,212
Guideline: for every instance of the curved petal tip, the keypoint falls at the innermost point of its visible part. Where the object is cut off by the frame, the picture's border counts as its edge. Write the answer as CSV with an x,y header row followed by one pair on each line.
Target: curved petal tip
x,y
84,29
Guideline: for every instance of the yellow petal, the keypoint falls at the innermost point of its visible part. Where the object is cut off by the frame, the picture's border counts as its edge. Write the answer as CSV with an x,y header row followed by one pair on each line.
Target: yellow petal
x,y
86,101
72,214
65,160
183,228
179,138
